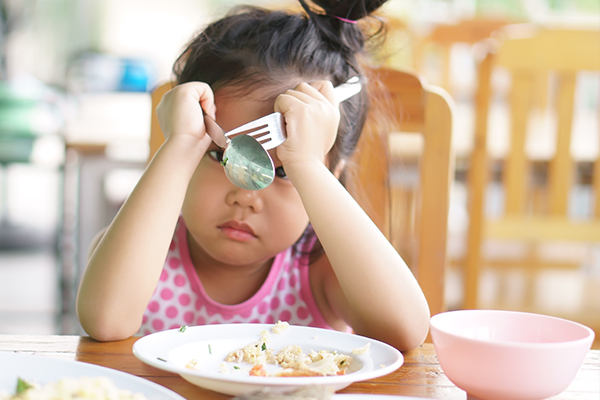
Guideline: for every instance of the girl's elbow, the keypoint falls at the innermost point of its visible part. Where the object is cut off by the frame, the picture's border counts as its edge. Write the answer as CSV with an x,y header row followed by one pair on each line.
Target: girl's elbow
x,y
105,329
401,338
107,335
413,333
421,329
402,334
413,340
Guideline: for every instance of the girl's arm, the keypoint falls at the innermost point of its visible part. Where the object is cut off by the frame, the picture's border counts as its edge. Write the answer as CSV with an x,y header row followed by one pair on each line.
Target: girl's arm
x,y
379,295
125,266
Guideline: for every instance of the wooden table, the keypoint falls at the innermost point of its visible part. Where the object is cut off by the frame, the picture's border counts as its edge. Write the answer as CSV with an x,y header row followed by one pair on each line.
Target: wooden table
x,y
419,376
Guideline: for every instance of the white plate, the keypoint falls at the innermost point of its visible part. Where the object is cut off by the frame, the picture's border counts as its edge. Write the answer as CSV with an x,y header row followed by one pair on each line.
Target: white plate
x,y
209,344
365,396
45,370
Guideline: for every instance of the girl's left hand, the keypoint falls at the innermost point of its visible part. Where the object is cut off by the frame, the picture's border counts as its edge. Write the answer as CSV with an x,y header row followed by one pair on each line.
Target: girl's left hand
x,y
312,118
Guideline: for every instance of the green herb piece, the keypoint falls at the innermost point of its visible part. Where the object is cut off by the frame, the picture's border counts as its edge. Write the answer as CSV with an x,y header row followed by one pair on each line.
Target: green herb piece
x,y
182,328
23,385
209,349
224,161
236,367
264,347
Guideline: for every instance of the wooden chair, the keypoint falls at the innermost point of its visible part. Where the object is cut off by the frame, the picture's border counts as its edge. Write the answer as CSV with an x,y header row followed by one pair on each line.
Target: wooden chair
x,y
419,109
156,135
412,208
436,46
528,54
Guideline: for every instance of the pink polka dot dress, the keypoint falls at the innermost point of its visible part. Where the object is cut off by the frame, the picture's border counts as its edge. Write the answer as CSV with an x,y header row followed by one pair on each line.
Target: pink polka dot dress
x,y
180,299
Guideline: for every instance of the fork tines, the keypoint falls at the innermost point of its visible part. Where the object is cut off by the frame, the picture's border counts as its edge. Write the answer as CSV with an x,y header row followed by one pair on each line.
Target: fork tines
x,y
255,132
269,130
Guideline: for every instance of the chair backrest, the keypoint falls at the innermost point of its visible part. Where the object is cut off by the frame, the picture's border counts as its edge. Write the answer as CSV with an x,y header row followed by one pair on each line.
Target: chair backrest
x,y
157,138
436,46
418,109
528,53
415,217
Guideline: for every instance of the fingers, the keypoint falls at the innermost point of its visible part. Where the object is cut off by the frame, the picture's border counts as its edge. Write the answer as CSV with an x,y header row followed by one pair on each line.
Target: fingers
x,y
306,93
205,97
201,93
192,93
179,110
326,89
312,118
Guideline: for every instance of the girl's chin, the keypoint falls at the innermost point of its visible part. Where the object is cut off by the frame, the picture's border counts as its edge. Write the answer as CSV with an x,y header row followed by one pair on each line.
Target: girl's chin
x,y
224,250
233,254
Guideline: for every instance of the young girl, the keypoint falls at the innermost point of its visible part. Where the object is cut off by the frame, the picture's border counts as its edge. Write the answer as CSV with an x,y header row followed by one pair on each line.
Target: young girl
x,y
190,248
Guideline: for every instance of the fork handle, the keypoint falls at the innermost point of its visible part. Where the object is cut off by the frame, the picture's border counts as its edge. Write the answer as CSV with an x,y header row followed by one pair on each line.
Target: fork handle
x,y
347,89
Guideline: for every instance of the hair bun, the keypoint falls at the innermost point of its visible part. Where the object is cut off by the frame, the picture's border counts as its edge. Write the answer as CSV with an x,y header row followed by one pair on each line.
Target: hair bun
x,y
350,9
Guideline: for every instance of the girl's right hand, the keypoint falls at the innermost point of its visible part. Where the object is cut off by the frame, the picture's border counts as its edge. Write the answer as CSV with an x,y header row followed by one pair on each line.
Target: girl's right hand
x,y
180,111
312,117
127,261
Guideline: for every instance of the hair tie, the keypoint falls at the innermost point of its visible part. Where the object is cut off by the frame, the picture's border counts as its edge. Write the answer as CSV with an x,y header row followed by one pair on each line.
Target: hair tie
x,y
345,19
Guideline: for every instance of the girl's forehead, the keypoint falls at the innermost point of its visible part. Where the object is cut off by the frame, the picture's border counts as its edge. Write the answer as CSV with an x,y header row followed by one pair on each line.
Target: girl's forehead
x,y
257,93
235,108
256,96
262,89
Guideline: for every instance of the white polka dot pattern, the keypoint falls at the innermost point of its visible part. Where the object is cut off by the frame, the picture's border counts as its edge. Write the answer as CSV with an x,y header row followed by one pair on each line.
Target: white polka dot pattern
x,y
179,298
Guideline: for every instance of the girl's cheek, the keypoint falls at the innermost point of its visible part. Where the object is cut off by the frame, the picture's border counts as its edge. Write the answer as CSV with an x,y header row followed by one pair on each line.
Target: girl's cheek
x,y
209,167
207,177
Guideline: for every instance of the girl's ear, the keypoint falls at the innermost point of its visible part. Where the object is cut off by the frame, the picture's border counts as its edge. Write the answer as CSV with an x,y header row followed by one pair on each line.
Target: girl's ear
x,y
339,168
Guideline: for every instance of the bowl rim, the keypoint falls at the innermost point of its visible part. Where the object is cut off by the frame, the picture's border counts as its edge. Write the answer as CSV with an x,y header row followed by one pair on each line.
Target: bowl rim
x,y
434,319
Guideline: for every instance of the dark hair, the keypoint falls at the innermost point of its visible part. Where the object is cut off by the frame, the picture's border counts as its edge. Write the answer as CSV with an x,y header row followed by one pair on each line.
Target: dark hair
x,y
253,47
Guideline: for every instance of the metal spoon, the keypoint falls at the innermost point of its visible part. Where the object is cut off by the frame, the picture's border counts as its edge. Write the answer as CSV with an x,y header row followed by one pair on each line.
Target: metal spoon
x,y
247,164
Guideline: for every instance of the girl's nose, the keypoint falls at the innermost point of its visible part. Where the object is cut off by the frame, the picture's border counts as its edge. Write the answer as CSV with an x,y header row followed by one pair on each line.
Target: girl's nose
x,y
245,198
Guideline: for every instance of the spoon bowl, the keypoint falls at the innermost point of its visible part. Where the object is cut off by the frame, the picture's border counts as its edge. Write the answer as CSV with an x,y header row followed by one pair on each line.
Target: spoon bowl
x,y
247,164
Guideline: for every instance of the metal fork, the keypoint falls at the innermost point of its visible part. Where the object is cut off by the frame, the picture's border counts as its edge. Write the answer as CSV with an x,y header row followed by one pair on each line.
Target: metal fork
x,y
269,130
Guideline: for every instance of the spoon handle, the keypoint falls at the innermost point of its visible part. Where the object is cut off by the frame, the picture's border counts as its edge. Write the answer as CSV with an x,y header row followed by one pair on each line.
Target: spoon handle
x,y
215,132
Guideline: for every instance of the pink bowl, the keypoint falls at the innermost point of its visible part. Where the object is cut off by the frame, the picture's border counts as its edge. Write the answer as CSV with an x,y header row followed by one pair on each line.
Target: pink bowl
x,y
494,354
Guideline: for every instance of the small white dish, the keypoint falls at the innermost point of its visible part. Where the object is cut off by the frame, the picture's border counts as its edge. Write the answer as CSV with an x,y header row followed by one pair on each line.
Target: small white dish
x,y
45,370
209,344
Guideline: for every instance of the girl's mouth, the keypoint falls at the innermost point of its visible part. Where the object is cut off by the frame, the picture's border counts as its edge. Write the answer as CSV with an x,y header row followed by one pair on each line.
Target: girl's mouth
x,y
236,230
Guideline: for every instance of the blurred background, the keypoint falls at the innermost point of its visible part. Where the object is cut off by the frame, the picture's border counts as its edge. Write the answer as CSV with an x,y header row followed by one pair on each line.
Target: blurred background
x,y
75,83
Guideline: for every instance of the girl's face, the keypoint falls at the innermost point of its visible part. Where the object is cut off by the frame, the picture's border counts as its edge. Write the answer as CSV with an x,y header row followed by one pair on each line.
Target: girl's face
x,y
235,226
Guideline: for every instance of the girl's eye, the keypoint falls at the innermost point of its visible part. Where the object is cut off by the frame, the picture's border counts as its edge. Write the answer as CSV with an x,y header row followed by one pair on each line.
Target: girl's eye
x,y
280,172
216,155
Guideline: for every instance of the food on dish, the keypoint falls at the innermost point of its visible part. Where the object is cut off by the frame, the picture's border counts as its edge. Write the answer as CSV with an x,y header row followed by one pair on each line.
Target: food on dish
x,y
71,389
171,350
291,358
280,327
193,364
258,370
362,350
